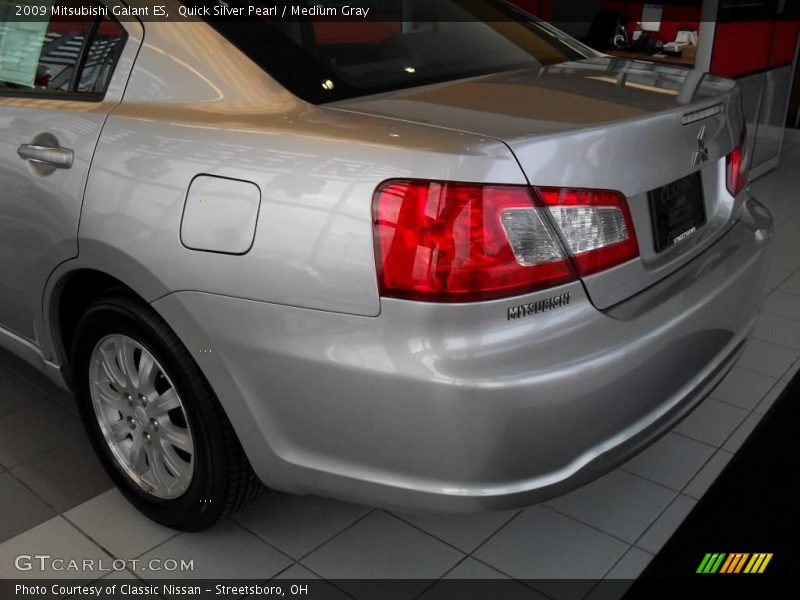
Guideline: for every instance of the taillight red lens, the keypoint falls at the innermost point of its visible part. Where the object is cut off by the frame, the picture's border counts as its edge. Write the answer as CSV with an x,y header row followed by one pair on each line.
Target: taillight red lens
x,y
458,242
737,166
596,226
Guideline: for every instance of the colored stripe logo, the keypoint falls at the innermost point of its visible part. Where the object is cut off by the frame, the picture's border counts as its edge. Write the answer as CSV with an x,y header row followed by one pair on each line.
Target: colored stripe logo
x,y
737,562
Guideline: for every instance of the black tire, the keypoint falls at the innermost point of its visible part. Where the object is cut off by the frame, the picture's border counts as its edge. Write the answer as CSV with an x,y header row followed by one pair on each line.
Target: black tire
x,y
223,479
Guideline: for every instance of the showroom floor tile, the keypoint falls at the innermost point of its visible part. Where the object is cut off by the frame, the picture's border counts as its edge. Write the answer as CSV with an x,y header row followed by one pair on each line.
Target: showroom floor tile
x,y
470,570
779,330
743,388
672,461
20,509
297,572
619,503
628,568
17,392
226,551
791,372
666,524
465,532
298,525
55,538
123,533
768,358
742,432
791,285
707,475
34,430
55,498
541,544
631,565
65,476
768,400
712,422
363,548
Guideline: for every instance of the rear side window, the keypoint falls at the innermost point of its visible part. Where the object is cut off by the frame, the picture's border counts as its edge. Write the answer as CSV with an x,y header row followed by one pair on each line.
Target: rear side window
x,y
404,43
58,56
101,56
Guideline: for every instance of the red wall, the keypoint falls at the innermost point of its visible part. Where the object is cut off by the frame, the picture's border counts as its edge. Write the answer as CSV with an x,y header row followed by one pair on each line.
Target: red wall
x,y
739,48
784,42
672,19
752,46
540,8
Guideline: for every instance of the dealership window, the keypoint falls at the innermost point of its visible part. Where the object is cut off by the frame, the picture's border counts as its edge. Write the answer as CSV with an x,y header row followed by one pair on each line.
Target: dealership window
x,y
58,56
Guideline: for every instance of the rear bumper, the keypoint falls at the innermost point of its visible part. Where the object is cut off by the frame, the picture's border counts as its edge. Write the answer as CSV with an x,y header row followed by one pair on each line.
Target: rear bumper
x,y
444,407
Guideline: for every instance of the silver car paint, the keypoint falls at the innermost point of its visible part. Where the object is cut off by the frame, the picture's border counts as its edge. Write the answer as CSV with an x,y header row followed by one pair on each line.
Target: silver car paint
x,y
333,390
40,215
315,168
455,408
585,133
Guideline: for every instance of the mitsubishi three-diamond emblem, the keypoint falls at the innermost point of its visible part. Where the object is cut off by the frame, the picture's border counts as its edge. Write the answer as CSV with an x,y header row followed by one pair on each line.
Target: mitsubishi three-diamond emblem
x,y
701,155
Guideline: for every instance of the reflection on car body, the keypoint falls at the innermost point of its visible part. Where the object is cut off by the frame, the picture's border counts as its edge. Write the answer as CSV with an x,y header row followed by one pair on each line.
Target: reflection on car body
x,y
432,262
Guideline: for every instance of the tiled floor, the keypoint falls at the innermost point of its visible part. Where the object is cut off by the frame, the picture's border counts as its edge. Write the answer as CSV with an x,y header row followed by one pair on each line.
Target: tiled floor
x,y
55,498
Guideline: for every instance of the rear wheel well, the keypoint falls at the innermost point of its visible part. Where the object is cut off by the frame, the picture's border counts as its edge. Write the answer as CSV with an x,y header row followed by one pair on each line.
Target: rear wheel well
x,y
76,295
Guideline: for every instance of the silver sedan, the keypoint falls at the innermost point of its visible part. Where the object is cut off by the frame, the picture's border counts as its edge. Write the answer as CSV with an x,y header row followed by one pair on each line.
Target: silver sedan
x,y
444,257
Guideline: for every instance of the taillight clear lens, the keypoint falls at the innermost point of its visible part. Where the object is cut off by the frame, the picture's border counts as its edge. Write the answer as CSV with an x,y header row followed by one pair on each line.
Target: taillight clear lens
x,y
595,225
456,242
737,166
529,236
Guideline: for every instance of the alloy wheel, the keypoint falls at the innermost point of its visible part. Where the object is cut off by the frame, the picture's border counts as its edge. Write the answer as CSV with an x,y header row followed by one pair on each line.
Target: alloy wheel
x,y
141,417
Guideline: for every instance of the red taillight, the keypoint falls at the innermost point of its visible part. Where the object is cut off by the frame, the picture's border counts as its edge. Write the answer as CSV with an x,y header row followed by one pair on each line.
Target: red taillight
x,y
737,166
457,242
595,225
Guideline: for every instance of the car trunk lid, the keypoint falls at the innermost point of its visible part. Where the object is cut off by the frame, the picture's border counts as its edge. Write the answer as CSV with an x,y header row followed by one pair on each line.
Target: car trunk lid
x,y
600,123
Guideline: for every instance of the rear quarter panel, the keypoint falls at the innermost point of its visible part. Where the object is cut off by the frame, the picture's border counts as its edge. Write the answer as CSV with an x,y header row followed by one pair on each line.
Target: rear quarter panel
x,y
196,105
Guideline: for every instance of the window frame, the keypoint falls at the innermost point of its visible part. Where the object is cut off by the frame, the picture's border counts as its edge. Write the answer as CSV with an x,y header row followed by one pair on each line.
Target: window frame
x,y
73,94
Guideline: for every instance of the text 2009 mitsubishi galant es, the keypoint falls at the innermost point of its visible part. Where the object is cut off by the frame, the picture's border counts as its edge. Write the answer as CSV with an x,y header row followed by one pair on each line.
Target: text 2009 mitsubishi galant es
x,y
437,263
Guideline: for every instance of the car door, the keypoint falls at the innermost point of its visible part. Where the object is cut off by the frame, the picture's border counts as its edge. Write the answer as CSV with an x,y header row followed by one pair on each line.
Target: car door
x,y
59,79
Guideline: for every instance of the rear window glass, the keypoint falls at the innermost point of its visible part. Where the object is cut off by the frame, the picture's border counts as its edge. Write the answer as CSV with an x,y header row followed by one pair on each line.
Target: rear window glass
x,y
403,44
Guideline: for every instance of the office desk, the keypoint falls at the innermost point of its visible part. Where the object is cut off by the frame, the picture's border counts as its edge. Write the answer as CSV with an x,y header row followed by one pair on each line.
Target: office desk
x,y
678,61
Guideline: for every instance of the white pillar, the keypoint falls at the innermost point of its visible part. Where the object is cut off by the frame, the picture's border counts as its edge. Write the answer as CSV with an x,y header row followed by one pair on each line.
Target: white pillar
x,y
708,29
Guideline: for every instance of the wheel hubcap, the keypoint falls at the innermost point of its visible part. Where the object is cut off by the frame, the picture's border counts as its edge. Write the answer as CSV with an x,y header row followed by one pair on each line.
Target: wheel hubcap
x,y
141,416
